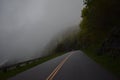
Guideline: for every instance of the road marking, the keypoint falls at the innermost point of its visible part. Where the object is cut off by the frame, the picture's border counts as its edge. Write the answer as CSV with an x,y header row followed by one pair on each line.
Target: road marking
x,y
55,71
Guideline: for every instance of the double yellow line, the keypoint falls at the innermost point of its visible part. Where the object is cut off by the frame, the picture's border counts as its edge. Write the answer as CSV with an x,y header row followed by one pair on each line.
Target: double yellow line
x,y
55,71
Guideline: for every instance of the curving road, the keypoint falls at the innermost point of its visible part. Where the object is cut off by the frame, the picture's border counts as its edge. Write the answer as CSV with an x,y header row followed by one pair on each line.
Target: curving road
x,y
71,66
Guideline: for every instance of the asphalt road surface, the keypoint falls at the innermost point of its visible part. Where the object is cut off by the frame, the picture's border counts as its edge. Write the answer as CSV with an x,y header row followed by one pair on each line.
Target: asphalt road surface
x,y
71,66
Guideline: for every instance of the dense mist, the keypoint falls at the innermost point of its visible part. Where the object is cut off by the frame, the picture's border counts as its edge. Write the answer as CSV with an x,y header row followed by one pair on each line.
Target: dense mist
x,y
27,26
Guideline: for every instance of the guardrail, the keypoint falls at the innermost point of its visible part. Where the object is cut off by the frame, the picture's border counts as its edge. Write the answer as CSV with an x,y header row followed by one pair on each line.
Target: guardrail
x,y
13,66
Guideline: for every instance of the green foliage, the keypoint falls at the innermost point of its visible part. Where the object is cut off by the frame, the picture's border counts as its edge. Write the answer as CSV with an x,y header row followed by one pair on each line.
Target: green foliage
x,y
99,18
98,31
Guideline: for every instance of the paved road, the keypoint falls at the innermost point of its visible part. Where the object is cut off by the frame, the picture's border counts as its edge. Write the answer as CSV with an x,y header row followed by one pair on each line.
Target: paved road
x,y
71,66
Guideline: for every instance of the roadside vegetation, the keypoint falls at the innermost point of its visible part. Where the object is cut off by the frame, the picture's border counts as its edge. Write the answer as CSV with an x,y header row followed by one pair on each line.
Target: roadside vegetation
x,y
15,71
100,32
99,35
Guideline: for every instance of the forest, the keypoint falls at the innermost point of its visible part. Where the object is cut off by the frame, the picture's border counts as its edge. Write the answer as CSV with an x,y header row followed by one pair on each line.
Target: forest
x,y
99,35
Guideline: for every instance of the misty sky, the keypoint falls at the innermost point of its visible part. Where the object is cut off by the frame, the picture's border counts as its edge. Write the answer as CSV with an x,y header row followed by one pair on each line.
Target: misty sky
x,y
26,26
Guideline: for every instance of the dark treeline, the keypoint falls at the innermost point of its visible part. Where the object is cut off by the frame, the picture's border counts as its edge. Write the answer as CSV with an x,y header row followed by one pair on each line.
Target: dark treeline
x,y
70,43
100,21
99,34
100,25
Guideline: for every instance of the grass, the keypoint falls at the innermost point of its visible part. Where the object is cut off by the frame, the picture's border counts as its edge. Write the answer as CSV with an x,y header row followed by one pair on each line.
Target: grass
x,y
13,72
106,61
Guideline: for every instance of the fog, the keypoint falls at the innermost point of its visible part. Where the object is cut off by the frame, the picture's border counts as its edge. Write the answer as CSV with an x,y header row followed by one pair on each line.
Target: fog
x,y
27,26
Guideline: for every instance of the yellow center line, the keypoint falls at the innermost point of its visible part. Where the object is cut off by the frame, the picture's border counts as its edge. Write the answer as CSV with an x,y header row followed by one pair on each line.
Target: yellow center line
x,y
55,71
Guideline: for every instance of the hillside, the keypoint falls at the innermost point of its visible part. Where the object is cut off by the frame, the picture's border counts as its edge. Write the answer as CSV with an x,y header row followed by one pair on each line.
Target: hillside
x,y
99,35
